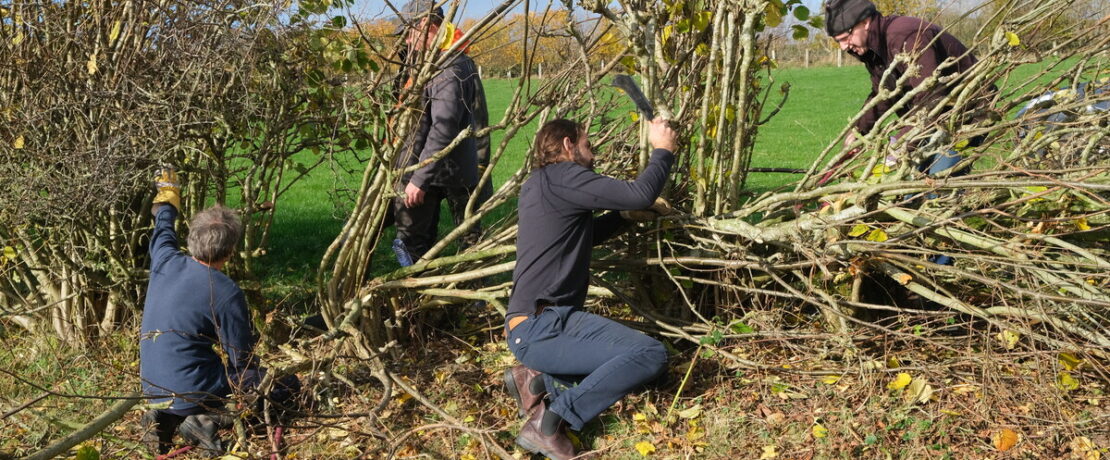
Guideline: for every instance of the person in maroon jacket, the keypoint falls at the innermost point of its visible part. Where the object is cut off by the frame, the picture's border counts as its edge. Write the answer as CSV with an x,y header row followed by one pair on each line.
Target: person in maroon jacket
x,y
874,39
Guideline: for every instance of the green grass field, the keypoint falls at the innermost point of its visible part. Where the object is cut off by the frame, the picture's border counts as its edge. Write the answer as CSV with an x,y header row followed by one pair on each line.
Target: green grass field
x,y
821,102
310,214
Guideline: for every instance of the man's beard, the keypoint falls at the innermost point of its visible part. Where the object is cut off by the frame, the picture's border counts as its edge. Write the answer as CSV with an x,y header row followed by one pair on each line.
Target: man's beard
x,y
588,164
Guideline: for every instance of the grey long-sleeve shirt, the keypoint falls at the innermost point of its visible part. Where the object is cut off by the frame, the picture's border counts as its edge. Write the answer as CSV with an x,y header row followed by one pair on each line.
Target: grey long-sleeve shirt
x,y
557,227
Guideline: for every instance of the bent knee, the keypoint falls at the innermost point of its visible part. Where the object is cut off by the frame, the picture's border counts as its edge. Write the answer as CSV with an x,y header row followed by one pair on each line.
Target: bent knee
x,y
655,357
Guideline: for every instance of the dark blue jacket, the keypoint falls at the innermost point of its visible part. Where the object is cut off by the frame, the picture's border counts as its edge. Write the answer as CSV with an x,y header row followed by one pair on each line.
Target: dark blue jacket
x,y
557,228
192,315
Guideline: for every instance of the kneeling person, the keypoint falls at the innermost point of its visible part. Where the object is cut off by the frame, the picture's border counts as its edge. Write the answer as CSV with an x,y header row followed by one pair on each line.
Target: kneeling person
x,y
196,340
557,342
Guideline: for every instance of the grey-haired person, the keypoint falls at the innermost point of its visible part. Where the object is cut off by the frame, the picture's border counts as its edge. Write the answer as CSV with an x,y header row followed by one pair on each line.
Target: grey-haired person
x,y
196,341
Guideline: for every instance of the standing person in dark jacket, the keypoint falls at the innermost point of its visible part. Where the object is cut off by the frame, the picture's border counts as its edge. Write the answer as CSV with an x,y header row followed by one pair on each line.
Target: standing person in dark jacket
x,y
196,340
861,31
452,101
557,342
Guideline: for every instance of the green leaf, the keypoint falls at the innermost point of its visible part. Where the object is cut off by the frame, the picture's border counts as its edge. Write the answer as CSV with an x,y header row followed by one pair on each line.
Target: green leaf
x,y
877,235
773,15
801,12
702,20
858,230
87,452
800,32
1066,382
741,328
712,338
114,34
682,26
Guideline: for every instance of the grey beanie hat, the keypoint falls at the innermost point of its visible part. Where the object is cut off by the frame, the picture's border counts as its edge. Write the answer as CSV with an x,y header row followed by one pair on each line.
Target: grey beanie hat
x,y
842,15
414,11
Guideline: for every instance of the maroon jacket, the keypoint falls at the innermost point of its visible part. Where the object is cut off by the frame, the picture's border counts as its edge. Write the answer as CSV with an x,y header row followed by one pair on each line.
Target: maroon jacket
x,y
892,35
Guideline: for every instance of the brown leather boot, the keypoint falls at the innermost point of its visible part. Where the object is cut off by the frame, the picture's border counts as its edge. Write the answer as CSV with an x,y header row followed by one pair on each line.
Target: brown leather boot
x,y
518,382
556,446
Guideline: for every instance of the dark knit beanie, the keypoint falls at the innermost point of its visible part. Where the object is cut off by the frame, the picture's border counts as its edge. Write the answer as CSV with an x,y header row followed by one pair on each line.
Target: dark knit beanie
x,y
842,15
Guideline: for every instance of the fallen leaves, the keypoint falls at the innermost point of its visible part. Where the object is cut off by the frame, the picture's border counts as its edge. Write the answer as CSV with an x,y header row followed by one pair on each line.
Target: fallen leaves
x,y
819,431
1008,339
900,381
692,412
1005,439
1068,360
645,448
1065,382
1083,448
919,391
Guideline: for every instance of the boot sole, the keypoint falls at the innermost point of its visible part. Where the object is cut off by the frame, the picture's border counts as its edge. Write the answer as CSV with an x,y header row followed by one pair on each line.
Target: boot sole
x,y
510,386
522,442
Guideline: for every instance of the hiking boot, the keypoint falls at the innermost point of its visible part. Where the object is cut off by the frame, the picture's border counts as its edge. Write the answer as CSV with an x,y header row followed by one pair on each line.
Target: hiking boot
x,y
200,431
404,257
556,446
518,382
157,429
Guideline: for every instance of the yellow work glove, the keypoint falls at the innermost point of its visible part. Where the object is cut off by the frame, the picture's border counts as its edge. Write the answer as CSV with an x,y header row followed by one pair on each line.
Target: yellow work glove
x,y
168,187
657,209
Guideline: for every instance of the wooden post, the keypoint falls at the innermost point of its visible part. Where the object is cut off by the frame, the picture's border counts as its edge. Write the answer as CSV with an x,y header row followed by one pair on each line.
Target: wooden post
x,y
839,58
807,58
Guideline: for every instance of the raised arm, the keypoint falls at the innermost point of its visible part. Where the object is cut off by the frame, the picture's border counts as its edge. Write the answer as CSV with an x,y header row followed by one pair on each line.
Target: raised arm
x,y
589,190
163,239
592,191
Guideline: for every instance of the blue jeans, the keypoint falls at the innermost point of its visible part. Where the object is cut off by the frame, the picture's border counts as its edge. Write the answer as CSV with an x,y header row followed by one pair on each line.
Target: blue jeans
x,y
588,362
938,163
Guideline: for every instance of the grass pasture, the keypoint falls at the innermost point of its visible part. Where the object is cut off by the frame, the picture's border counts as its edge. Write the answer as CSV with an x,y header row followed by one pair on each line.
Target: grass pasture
x,y
723,412
311,213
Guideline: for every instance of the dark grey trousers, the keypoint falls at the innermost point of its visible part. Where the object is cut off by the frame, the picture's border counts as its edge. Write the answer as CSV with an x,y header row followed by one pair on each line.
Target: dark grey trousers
x,y
418,226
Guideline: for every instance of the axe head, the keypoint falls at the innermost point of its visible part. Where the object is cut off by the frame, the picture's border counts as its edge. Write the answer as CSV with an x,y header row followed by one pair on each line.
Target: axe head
x,y
629,86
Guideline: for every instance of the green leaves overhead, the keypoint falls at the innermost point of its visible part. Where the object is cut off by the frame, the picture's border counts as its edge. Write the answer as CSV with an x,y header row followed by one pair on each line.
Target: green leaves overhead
x,y
801,13
773,16
778,10
800,32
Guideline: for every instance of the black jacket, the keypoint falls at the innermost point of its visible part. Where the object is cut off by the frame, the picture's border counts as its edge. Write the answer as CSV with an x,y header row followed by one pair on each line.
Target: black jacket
x,y
557,227
451,101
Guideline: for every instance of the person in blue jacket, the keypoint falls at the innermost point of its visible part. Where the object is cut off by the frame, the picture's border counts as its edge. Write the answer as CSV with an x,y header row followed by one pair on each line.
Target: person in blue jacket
x,y
196,340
